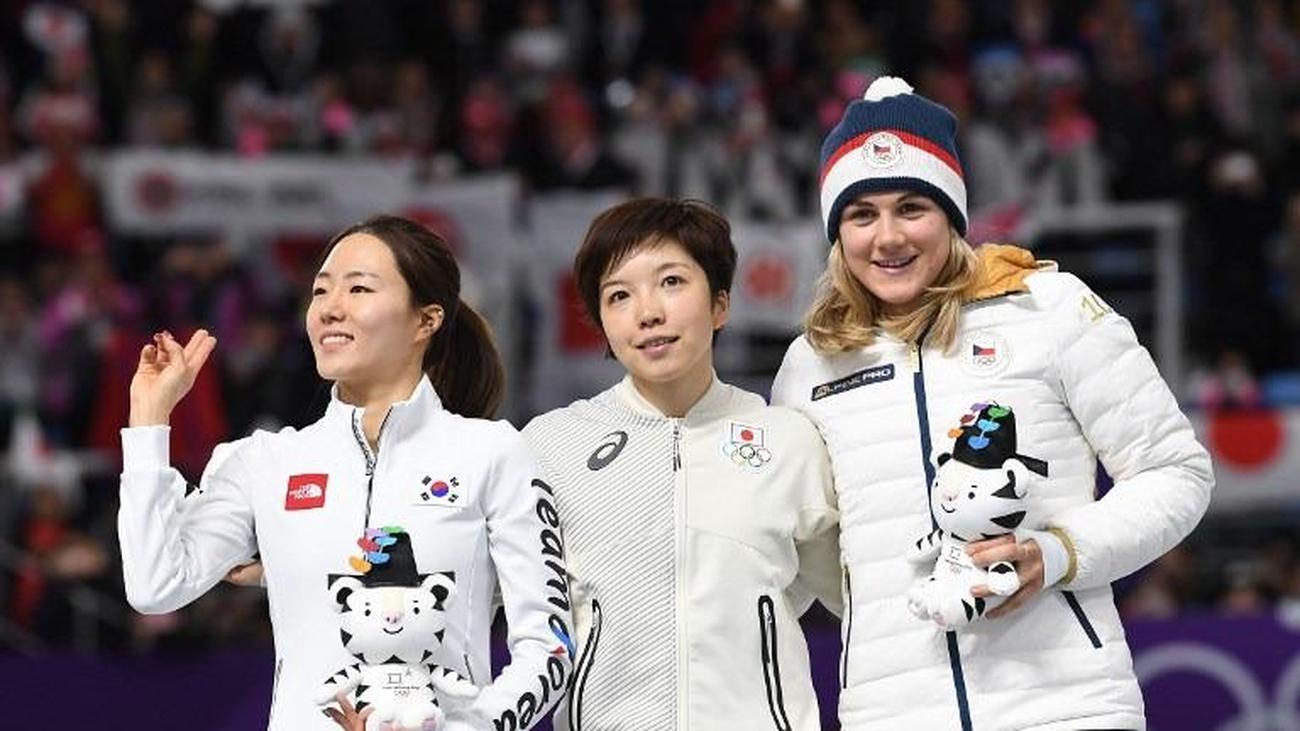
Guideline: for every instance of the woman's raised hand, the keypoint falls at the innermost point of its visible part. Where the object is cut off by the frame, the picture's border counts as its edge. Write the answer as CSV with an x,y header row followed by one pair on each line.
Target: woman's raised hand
x,y
165,374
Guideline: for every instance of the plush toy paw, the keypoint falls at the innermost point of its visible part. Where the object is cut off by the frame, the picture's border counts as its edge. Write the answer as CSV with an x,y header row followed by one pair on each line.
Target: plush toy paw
x,y
451,684
920,598
1003,579
926,547
381,720
425,716
329,691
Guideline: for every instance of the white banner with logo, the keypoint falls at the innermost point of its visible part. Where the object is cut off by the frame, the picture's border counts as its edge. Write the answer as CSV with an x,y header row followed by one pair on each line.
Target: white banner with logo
x,y
165,192
569,352
776,273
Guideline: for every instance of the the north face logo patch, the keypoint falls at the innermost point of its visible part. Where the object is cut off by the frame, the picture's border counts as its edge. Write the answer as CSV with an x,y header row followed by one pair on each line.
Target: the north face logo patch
x,y
306,491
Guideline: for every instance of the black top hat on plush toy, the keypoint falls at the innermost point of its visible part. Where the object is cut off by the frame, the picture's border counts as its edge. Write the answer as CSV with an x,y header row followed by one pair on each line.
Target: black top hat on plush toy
x,y
987,438
386,558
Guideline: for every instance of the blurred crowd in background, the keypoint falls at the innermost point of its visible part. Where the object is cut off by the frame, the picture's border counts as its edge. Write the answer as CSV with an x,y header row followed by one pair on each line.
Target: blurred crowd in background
x,y
1063,103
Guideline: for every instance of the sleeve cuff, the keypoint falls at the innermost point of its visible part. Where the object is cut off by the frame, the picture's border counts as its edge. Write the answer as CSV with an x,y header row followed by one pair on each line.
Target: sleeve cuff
x,y
1057,553
145,447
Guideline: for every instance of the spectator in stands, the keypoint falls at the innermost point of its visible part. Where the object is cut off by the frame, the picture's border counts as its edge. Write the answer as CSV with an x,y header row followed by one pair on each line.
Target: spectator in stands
x,y
485,125
158,116
1284,255
536,50
1235,311
570,151
78,325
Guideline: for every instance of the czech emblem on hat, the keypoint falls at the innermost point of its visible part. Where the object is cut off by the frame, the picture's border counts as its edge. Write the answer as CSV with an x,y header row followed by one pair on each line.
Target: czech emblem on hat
x,y
882,150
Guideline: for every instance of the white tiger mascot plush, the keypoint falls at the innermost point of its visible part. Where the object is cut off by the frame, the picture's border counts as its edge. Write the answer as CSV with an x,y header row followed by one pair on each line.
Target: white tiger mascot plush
x,y
979,492
391,619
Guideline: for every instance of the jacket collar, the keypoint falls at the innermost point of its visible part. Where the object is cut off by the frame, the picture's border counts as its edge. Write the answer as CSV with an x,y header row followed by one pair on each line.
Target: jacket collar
x,y
714,401
422,402
1002,270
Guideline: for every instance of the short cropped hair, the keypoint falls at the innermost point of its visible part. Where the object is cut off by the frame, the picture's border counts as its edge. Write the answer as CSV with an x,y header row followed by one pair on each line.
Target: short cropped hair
x,y
622,230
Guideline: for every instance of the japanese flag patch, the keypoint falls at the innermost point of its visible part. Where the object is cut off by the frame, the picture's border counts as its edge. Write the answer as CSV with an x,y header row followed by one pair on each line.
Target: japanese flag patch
x,y
746,445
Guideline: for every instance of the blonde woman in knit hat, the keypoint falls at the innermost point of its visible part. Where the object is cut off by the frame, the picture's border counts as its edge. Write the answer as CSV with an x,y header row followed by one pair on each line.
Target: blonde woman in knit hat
x,y
912,329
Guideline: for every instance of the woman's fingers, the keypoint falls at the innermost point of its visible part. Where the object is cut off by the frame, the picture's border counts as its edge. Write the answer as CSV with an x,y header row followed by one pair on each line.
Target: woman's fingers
x,y
344,703
250,574
189,358
175,353
198,341
203,344
992,550
346,715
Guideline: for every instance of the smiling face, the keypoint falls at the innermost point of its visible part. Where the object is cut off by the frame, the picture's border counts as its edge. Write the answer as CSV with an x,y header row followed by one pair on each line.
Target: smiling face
x,y
363,326
974,503
381,622
659,316
895,243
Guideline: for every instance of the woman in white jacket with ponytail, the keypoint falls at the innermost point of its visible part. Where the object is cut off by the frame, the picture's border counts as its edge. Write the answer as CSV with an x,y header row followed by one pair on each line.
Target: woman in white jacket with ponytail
x,y
411,364
921,351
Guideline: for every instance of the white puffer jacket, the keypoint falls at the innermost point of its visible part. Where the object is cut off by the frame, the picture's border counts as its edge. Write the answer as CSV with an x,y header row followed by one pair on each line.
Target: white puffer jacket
x,y
1082,390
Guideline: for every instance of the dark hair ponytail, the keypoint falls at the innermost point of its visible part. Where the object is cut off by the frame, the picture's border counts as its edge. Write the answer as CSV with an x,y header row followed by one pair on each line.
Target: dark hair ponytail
x,y
461,358
464,365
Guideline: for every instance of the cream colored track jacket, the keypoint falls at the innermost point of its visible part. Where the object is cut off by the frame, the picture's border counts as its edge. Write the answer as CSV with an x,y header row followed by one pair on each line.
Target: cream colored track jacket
x,y
694,544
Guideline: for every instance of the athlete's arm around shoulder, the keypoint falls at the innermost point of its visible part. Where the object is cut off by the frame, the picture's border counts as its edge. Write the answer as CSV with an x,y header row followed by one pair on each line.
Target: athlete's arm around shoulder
x,y
1130,418
542,433
816,530
178,541
792,385
524,541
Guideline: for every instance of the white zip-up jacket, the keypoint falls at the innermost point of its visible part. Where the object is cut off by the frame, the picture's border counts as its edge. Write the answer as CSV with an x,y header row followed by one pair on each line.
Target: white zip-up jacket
x,y
1082,389
491,521
694,545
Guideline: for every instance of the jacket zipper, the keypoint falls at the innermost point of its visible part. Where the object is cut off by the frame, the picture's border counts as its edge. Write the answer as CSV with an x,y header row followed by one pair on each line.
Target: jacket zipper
x,y
1079,614
679,589
771,665
579,678
923,421
677,446
848,629
372,459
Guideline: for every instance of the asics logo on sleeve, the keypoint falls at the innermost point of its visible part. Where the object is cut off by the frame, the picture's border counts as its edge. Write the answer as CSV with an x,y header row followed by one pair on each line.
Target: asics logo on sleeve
x,y
608,451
